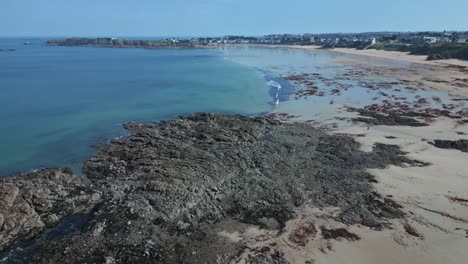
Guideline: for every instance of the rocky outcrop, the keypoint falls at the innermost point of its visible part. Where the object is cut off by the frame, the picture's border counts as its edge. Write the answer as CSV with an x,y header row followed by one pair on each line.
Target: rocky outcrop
x,y
32,202
389,119
461,144
173,186
120,43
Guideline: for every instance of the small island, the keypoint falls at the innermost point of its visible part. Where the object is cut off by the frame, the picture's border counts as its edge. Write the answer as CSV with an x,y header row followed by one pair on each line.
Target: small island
x,y
121,43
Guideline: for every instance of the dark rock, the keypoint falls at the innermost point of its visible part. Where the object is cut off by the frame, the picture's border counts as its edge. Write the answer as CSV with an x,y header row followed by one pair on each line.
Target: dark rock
x,y
390,119
338,234
171,187
32,202
268,258
461,144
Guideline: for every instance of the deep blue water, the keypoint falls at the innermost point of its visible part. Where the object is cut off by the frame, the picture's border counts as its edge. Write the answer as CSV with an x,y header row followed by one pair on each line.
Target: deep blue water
x,y
56,102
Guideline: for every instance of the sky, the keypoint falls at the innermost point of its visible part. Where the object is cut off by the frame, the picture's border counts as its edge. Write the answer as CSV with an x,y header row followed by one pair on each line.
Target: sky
x,y
184,18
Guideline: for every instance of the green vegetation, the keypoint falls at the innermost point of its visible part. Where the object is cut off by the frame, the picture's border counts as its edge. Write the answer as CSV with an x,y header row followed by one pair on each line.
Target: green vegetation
x,y
390,47
434,52
360,45
119,43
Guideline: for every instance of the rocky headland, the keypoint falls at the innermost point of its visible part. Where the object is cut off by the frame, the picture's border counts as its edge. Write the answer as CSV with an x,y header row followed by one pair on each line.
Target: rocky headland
x,y
121,43
174,191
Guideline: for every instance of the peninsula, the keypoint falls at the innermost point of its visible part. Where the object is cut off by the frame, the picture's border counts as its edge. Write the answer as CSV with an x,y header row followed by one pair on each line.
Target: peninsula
x,y
121,43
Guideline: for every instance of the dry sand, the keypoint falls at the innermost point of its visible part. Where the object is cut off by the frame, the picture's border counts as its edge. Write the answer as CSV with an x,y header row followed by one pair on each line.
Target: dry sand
x,y
392,55
434,197
440,225
402,56
425,193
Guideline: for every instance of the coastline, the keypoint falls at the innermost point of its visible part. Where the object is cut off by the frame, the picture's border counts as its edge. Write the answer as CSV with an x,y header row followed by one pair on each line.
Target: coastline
x,y
436,227
391,55
432,196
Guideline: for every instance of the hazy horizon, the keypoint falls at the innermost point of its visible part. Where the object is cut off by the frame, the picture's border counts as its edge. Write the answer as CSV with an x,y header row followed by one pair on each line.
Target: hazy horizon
x,y
179,18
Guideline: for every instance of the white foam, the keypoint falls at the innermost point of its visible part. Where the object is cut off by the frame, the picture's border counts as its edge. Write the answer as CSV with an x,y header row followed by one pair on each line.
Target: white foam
x,y
274,84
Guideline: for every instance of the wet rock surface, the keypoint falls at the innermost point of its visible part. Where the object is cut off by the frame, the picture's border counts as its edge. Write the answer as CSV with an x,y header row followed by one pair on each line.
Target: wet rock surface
x,y
169,189
391,119
35,201
339,233
461,144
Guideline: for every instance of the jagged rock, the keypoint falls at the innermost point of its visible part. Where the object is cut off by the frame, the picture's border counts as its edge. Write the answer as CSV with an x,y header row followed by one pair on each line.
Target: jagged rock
x,y
32,202
170,189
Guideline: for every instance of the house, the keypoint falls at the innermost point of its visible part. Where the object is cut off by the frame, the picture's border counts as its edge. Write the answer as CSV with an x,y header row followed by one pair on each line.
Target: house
x,y
461,40
430,40
373,41
445,39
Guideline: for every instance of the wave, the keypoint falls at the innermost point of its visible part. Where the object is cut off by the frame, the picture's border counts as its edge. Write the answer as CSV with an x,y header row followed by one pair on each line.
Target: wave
x,y
274,84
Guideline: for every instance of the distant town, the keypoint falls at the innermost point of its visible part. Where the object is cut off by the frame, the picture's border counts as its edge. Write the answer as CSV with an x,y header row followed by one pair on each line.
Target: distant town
x,y
341,38
436,45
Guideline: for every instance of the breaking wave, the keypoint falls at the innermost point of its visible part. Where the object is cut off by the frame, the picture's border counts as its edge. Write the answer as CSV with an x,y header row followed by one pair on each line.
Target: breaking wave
x,y
274,84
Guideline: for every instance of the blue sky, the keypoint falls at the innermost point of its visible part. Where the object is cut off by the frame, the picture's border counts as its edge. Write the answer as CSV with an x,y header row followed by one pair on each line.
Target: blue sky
x,y
222,17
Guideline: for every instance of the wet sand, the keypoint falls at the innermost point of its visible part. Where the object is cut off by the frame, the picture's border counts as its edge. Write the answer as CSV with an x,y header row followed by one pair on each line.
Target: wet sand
x,y
434,197
426,182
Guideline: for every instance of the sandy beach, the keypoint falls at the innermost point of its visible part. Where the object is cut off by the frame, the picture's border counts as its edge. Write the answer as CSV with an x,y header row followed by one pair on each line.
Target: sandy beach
x,y
392,55
434,197
361,161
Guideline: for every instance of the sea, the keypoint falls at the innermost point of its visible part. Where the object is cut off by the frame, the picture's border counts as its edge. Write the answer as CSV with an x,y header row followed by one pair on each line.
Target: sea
x,y
57,104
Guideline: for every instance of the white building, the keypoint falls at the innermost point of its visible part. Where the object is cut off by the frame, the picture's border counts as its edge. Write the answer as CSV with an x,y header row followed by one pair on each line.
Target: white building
x,y
373,41
461,40
430,39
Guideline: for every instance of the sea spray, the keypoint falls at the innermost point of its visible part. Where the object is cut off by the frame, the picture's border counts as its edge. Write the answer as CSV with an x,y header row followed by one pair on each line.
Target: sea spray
x,y
278,87
274,84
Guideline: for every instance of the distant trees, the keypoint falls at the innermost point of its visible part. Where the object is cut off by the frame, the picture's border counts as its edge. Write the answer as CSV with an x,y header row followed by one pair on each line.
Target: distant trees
x,y
120,43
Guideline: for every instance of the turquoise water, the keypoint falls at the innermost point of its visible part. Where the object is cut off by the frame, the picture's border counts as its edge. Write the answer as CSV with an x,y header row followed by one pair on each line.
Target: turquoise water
x,y
56,102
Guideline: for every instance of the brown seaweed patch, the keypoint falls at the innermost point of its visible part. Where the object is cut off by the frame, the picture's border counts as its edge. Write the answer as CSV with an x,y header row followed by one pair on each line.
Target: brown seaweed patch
x,y
302,234
444,214
410,230
455,199
338,233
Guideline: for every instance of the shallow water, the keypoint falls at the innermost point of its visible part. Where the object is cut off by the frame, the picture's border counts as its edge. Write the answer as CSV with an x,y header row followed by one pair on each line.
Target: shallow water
x,y
23,252
282,62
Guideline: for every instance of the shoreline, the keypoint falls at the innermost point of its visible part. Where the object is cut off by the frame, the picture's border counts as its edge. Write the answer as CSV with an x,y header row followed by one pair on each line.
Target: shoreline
x,y
436,227
391,55
431,195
